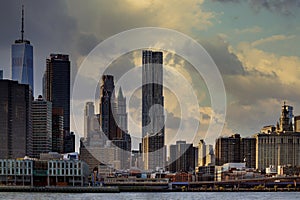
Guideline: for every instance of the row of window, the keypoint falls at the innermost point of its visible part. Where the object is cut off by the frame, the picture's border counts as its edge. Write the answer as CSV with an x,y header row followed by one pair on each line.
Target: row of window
x,y
16,171
273,140
15,163
64,165
59,172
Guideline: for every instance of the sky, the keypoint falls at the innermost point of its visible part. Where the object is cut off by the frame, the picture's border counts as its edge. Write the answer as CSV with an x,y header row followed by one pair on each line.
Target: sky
x,y
254,43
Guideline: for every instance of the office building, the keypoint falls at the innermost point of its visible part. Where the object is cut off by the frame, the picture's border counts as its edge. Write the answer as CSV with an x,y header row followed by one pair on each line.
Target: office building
x,y
22,59
56,85
15,120
280,147
153,130
234,149
41,126
56,89
182,157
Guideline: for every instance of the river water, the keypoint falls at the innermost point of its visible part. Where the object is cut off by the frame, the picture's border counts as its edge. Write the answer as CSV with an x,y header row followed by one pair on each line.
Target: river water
x,y
154,196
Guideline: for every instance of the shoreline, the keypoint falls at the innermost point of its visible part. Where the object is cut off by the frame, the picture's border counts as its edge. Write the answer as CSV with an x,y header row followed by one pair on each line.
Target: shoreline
x,y
120,189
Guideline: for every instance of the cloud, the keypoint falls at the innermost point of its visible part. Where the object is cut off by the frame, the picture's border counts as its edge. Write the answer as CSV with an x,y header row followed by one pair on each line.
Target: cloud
x,y
273,38
255,29
284,7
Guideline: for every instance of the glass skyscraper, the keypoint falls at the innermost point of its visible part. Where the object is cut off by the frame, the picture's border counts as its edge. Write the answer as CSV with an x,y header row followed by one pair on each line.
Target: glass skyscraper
x,y
22,59
153,130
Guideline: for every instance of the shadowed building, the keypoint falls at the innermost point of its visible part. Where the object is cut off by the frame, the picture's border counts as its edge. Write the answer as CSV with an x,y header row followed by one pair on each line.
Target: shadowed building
x,y
234,149
15,120
56,88
182,156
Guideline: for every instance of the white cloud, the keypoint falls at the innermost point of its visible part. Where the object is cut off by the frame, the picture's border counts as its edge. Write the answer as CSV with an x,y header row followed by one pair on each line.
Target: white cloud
x,y
273,38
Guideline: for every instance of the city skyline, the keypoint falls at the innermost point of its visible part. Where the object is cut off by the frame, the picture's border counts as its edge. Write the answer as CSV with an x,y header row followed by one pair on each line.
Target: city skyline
x,y
246,49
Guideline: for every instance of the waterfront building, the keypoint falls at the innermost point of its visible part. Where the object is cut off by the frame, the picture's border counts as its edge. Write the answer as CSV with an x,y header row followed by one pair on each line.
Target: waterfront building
x,y
41,126
67,173
182,157
280,147
29,172
235,171
16,172
15,120
234,149
153,128
22,59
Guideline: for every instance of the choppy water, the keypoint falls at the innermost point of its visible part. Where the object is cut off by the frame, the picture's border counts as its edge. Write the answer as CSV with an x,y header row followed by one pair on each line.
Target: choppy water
x,y
154,196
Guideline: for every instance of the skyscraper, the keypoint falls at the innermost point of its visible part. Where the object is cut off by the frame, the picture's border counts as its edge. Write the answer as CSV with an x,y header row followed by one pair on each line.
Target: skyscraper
x,y
56,85
89,117
153,132
15,120
41,126
22,59
121,111
108,114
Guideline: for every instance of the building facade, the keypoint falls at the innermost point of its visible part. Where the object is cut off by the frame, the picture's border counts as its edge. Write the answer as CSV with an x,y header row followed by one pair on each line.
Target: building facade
x,y
15,120
153,128
41,126
280,147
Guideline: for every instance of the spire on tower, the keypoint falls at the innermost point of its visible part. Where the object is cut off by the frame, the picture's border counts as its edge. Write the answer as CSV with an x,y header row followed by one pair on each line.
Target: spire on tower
x,y
120,94
22,28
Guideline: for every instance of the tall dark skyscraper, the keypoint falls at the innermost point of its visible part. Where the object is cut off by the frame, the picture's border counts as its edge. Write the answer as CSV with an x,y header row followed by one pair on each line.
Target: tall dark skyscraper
x,y
15,120
56,88
153,132
108,110
56,85
22,59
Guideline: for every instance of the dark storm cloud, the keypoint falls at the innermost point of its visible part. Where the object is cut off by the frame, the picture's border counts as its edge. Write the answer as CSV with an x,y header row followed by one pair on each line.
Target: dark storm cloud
x,y
285,7
227,62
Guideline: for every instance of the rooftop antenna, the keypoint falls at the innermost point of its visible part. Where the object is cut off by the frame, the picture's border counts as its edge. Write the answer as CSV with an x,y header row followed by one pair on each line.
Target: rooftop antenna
x,y
22,30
